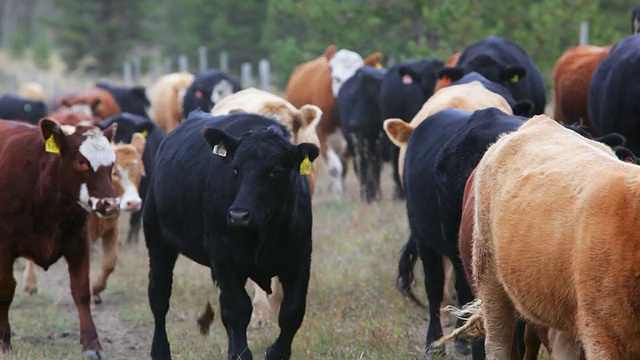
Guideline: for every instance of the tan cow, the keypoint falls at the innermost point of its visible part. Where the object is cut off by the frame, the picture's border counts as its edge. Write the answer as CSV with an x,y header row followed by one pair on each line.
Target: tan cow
x,y
301,124
127,171
555,239
165,96
31,90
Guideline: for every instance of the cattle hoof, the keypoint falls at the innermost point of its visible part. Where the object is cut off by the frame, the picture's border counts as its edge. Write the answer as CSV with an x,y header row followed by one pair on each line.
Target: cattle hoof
x,y
462,346
275,353
97,299
30,290
95,355
436,352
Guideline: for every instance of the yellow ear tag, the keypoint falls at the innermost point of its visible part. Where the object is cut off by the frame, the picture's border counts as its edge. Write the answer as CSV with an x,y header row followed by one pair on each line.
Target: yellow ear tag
x,y
515,78
378,66
305,166
51,146
145,133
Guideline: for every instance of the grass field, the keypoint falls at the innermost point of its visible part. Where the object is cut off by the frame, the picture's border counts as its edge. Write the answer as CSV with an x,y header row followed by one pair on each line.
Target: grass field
x,y
353,309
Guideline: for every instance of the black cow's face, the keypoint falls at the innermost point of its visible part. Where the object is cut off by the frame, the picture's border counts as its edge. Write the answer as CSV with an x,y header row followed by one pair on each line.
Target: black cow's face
x,y
128,124
266,167
489,67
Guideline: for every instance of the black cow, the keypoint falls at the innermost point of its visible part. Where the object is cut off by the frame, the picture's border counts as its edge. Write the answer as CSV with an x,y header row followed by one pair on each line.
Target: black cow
x,y
441,154
128,124
244,211
14,107
208,87
504,62
635,20
520,108
130,99
359,110
404,90
613,94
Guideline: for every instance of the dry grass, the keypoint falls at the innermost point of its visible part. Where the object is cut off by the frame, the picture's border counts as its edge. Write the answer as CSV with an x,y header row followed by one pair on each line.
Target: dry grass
x,y
353,308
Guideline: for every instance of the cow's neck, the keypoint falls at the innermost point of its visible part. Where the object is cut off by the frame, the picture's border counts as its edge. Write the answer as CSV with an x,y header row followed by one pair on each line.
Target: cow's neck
x,y
48,199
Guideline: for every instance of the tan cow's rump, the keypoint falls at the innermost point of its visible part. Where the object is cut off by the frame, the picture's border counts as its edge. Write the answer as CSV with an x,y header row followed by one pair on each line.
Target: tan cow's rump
x,y
555,239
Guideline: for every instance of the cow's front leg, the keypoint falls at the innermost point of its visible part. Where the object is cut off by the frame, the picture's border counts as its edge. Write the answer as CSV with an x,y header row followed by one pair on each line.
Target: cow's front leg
x,y
77,256
109,259
295,283
7,290
235,309
30,280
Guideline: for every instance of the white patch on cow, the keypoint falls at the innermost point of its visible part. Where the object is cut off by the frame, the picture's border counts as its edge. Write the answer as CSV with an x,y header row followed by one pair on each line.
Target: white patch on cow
x,y
97,150
222,89
68,129
83,197
82,108
334,168
343,65
130,191
181,94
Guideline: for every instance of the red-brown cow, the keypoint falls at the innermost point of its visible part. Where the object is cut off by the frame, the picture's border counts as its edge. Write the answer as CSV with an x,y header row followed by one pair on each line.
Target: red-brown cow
x,y
63,174
102,104
571,77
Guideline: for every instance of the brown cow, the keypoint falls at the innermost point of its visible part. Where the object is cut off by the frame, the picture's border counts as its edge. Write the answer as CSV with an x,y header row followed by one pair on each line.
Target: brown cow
x,y
62,176
311,83
127,172
72,115
554,239
571,77
166,96
102,104
445,80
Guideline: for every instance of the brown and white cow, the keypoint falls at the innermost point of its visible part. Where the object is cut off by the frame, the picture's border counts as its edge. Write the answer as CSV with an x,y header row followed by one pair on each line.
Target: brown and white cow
x,y
62,177
127,172
554,238
311,83
166,96
571,78
301,124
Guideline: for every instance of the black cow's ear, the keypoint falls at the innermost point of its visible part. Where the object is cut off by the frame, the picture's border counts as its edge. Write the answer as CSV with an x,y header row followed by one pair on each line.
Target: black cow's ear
x,y
303,155
513,73
625,154
451,73
523,108
222,144
612,139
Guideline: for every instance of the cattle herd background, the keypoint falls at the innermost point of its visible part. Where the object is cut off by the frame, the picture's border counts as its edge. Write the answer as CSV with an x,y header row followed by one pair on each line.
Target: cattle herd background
x,y
194,218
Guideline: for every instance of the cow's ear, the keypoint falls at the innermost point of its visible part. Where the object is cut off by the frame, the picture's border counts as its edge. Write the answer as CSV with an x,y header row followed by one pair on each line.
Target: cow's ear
x,y
110,132
625,154
138,141
398,131
373,60
141,93
523,108
222,144
450,74
513,73
330,52
612,140
310,116
53,136
303,155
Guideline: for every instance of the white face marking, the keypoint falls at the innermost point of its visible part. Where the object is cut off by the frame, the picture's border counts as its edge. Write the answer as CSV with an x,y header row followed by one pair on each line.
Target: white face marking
x,y
82,108
83,197
130,194
68,129
96,149
221,91
343,65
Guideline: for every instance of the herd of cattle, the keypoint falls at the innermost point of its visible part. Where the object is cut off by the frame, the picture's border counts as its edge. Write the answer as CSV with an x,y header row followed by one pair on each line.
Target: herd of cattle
x,y
533,218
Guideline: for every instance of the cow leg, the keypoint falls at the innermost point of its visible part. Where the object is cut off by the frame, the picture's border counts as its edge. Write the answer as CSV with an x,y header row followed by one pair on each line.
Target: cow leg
x,y
235,309
399,190
261,307
7,290
77,257
134,226
109,258
531,343
464,297
434,285
162,260
30,280
499,318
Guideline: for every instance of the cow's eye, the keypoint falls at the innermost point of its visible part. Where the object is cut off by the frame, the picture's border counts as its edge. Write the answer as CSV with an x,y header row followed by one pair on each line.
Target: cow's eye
x,y
83,164
115,174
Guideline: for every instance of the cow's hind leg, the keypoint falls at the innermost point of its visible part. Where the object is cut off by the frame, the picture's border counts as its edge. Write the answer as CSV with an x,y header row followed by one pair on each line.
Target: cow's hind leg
x,y
294,285
7,290
499,319
109,258
464,296
434,285
30,281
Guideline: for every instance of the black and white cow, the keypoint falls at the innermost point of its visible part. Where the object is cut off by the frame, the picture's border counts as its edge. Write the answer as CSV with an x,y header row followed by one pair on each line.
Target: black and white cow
x,y
130,99
208,87
243,210
14,107
359,110
405,88
506,63
128,124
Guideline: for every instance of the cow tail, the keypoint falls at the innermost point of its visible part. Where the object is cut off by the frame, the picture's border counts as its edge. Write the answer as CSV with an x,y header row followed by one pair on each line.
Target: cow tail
x,y
408,258
473,327
206,319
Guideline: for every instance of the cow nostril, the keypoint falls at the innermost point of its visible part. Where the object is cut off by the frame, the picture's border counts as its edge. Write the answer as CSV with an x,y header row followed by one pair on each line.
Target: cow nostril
x,y
133,205
239,217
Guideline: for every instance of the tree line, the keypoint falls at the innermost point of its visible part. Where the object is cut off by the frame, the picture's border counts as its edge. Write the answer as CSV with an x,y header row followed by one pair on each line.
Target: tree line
x,y
288,32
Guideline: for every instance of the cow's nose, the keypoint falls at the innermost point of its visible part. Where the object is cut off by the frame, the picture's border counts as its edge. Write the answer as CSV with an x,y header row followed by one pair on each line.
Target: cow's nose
x,y
133,205
239,217
107,207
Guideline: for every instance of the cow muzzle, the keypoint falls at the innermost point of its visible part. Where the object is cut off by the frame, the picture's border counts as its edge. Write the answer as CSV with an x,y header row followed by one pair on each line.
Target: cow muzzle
x,y
105,207
239,217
